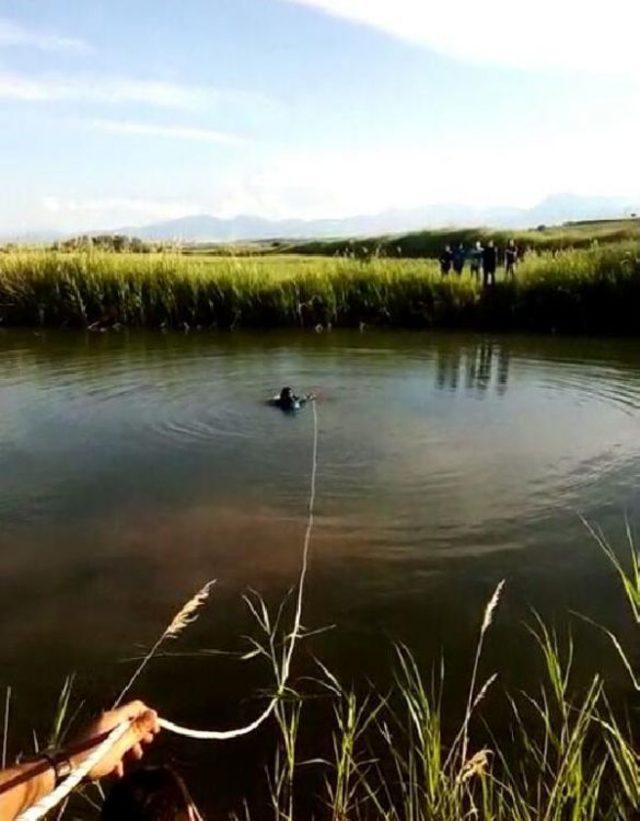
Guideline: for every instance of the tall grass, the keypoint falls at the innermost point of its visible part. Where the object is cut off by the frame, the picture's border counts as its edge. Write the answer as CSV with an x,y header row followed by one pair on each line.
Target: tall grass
x,y
595,290
393,756
569,756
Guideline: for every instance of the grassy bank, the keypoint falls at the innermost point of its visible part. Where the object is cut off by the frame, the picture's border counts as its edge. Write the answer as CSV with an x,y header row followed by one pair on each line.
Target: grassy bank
x,y
570,236
592,291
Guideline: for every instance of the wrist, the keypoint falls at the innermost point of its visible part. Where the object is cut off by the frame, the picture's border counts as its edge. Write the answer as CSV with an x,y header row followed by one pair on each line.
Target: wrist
x,y
60,764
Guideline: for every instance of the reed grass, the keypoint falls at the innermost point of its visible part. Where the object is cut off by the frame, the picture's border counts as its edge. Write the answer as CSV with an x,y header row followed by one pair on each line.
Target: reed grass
x,y
571,754
187,614
596,290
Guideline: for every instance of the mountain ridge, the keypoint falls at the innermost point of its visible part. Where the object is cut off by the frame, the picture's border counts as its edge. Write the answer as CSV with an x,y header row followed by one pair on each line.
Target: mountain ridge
x,y
196,228
552,210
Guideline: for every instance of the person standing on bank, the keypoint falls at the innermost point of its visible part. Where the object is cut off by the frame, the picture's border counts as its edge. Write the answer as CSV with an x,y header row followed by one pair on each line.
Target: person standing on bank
x,y
489,263
511,259
475,257
459,258
446,259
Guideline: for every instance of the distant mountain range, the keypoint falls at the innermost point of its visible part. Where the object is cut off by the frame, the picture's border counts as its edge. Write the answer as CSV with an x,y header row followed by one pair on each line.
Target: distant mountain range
x,y
552,210
206,228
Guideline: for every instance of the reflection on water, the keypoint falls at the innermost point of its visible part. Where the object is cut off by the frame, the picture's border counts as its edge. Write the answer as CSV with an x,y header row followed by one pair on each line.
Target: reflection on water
x,y
134,467
483,364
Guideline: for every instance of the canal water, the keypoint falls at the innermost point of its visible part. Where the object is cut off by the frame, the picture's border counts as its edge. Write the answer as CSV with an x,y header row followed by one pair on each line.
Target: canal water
x,y
136,466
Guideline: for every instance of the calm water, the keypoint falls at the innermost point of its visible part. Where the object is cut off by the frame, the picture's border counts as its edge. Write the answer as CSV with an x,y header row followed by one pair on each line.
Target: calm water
x,y
135,467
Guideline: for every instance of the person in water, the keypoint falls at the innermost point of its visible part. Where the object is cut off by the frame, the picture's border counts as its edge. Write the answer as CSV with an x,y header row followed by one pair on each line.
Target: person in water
x,y
288,401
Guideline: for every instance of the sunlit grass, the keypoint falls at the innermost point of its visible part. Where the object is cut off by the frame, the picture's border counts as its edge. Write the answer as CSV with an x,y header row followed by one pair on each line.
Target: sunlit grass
x,y
593,290
430,242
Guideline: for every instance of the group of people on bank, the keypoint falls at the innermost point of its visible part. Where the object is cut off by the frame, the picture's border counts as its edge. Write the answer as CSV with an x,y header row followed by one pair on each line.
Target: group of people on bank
x,y
483,260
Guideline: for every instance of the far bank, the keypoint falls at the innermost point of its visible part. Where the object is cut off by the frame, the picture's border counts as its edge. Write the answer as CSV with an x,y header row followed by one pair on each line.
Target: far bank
x,y
593,291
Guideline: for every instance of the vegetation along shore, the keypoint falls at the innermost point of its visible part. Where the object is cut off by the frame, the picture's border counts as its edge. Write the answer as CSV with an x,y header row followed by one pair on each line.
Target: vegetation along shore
x,y
593,290
429,243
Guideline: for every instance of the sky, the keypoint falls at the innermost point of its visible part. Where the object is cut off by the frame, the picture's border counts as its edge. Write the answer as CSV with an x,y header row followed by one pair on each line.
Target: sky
x,y
119,113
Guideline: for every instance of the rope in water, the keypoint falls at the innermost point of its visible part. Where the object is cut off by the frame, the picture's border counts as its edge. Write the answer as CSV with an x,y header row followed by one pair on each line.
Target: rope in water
x,y
54,798
223,735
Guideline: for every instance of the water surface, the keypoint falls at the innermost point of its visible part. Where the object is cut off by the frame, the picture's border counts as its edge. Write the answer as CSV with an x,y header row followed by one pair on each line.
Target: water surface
x,y
135,466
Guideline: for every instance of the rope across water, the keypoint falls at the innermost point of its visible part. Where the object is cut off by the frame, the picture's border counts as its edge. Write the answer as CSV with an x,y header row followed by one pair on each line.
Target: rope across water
x,y
54,798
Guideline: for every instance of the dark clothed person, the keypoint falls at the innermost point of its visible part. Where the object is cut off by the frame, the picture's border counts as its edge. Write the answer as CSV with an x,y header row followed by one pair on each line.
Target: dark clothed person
x,y
475,258
489,263
446,260
288,401
459,258
511,259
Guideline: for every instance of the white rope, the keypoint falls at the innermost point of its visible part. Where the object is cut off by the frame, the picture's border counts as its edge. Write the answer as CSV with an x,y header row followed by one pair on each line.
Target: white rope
x,y
223,735
50,801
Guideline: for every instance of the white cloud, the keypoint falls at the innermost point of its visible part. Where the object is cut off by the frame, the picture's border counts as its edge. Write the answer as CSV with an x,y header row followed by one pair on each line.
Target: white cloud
x,y
173,132
95,213
14,34
547,34
14,86
317,183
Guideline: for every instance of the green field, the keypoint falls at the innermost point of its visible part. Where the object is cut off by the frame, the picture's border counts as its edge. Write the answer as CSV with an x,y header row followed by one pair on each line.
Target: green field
x,y
573,235
416,244
594,290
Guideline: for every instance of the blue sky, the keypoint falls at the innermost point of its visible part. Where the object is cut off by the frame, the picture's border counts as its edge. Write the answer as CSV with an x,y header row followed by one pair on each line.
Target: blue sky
x,y
121,112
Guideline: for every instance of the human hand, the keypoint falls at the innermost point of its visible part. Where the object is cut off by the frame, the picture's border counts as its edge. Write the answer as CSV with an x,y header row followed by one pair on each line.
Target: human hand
x,y
130,746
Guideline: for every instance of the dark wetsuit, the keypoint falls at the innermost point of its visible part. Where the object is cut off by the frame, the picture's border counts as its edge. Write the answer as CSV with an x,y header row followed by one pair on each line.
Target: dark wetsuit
x,y
288,401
